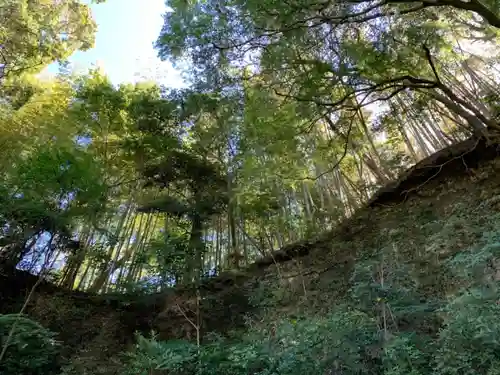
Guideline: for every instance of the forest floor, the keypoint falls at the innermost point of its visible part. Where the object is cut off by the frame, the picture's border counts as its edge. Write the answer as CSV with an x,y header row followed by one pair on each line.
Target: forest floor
x,y
443,205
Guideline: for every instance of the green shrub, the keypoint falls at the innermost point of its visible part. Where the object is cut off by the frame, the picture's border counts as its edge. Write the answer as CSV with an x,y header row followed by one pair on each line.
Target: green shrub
x,y
335,343
391,326
31,350
408,354
347,342
469,343
177,356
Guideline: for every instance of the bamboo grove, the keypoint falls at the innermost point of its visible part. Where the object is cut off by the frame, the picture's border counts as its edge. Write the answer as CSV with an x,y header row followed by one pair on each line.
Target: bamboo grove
x,y
295,112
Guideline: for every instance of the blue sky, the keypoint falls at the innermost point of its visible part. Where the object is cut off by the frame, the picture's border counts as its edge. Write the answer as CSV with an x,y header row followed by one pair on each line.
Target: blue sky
x,y
124,49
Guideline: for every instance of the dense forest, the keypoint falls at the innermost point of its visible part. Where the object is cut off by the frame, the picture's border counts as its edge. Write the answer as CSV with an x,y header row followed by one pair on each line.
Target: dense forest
x,y
293,115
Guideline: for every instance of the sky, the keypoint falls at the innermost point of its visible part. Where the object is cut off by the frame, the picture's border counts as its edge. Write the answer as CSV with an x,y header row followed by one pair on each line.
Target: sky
x,y
124,49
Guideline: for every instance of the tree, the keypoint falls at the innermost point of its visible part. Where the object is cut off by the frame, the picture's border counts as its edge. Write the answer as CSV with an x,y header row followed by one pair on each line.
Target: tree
x,y
332,57
34,34
293,119
177,168
46,193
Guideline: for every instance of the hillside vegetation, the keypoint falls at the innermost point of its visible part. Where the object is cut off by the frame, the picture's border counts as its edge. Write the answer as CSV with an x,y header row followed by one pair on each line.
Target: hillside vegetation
x,y
424,268
320,197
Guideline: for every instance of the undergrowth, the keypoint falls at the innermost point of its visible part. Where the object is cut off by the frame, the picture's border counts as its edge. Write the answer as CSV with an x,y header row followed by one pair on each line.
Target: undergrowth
x,y
422,298
348,341
352,339
29,348
416,293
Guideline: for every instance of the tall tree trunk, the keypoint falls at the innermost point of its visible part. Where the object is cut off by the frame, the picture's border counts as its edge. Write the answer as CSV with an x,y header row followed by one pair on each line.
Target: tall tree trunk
x,y
196,245
103,272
